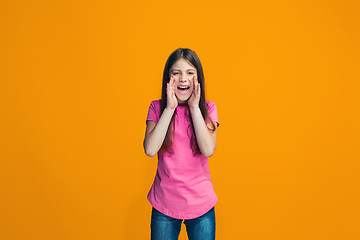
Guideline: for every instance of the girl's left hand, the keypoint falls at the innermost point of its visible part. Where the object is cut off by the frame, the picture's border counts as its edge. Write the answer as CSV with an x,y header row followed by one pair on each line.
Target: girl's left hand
x,y
194,99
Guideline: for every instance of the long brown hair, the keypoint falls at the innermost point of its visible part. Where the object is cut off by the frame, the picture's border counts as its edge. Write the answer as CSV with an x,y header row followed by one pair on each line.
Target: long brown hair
x,y
190,56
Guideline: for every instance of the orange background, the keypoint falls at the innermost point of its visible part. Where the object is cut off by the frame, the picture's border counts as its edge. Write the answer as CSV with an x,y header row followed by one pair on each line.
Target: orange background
x,y
77,78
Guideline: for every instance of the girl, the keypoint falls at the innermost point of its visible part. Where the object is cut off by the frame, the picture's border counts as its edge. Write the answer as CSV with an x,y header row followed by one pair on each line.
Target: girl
x,y
181,129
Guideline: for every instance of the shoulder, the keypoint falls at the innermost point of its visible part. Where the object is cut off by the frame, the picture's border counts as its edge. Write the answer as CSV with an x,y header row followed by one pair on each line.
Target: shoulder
x,y
210,104
155,103
155,107
154,111
212,112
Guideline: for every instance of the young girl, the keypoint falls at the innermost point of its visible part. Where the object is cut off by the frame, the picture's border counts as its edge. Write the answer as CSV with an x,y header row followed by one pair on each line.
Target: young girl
x,y
181,129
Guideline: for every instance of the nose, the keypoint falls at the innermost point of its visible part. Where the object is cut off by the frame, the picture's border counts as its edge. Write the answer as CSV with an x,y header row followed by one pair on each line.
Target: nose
x,y
183,79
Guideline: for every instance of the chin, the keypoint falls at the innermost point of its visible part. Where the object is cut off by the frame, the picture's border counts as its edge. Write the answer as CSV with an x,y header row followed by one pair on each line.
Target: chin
x,y
182,100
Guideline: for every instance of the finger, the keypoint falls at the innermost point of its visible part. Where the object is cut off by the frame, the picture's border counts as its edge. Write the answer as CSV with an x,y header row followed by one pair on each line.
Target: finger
x,y
194,83
171,83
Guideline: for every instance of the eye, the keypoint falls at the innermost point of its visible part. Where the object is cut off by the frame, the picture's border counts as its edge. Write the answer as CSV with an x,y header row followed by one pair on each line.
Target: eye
x,y
174,73
191,72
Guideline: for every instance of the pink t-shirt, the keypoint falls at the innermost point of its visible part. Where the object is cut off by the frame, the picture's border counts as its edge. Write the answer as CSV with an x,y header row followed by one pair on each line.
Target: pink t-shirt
x,y
182,187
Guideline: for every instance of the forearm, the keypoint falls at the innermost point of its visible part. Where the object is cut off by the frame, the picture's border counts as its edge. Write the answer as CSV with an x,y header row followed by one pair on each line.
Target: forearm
x,y
154,140
204,139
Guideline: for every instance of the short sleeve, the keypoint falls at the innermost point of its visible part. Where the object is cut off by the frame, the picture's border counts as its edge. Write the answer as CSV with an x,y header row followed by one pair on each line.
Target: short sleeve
x,y
154,111
212,112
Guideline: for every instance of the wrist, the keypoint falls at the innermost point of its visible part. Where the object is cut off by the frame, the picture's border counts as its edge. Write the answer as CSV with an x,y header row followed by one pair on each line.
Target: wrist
x,y
169,109
194,108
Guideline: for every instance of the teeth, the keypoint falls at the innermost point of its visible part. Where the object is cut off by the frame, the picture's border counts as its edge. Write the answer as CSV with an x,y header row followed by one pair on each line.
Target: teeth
x,y
183,87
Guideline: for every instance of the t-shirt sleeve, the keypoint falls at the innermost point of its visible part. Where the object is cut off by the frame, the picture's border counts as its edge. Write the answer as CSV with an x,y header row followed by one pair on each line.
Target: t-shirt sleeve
x,y
153,113
213,113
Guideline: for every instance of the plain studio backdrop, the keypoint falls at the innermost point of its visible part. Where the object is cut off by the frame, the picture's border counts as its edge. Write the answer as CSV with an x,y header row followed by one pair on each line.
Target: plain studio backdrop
x,y
77,79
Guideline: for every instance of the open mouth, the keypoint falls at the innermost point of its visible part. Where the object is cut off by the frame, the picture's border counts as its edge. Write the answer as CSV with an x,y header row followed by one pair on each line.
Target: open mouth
x,y
183,89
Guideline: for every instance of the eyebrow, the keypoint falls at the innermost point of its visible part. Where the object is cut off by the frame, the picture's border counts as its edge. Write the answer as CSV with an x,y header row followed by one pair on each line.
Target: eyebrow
x,y
190,69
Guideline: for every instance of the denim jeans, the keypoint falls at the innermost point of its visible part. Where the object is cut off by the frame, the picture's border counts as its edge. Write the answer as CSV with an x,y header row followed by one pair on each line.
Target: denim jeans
x,y
164,227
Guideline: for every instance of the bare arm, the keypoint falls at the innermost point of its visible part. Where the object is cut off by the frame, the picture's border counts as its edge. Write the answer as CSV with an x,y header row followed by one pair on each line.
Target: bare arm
x,y
156,132
206,139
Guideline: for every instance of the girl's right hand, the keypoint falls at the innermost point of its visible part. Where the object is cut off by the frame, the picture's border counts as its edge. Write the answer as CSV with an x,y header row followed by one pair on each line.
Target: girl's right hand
x,y
171,97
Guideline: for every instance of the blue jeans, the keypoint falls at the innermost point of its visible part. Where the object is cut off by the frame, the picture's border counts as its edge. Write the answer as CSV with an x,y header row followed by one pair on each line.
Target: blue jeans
x,y
164,227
